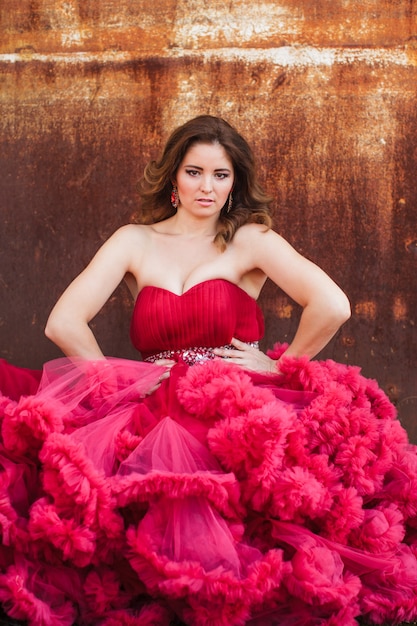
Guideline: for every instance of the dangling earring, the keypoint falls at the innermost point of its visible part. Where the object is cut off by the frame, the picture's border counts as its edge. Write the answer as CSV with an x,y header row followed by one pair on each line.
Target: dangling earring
x,y
174,196
230,202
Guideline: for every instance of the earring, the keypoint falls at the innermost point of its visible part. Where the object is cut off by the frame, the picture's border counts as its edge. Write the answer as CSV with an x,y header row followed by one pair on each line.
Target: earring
x,y
174,197
230,202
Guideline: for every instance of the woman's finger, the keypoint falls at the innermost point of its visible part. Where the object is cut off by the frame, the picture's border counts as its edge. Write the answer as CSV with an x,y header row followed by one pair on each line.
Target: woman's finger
x,y
167,362
240,345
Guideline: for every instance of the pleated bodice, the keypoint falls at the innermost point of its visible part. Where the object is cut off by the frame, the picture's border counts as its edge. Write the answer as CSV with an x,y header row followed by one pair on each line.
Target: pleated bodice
x,y
210,313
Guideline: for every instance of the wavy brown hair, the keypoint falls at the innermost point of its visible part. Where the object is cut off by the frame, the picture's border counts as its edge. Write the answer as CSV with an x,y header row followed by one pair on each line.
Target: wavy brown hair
x,y
250,202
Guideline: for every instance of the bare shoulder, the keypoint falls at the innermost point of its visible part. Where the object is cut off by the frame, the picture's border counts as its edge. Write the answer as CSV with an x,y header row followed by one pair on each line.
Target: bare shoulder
x,y
132,232
256,234
128,238
253,230
122,247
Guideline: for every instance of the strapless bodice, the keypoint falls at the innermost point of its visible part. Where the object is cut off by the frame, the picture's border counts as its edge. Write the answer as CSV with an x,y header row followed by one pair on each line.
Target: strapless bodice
x,y
210,313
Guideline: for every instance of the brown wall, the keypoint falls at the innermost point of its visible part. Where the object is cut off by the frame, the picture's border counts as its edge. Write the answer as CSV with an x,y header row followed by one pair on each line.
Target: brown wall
x,y
326,93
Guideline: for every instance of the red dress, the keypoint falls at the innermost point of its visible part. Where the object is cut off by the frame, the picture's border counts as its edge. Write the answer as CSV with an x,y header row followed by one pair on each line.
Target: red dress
x,y
216,496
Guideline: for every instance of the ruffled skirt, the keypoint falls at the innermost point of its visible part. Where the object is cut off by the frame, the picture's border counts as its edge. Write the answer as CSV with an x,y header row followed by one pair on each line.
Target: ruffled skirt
x,y
215,497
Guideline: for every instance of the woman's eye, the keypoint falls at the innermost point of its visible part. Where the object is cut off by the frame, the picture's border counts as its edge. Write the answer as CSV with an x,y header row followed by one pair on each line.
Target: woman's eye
x,y
218,175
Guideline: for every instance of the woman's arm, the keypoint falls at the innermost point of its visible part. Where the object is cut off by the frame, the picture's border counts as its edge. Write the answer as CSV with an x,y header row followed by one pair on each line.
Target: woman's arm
x,y
325,306
68,323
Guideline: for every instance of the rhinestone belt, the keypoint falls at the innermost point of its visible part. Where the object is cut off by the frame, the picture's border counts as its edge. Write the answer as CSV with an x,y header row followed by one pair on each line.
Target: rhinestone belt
x,y
191,356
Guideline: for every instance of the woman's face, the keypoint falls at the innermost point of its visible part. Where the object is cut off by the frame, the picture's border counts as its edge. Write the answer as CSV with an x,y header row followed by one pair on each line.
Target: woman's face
x,y
204,179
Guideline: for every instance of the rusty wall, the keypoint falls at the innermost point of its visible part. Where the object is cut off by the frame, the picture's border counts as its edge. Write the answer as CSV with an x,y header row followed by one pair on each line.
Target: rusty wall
x,y
325,92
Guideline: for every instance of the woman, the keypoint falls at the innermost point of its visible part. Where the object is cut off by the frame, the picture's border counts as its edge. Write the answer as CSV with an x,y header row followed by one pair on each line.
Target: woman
x,y
210,483
213,228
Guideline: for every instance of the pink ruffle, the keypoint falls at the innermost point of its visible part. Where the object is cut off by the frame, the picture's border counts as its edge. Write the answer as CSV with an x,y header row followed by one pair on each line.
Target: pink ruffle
x,y
170,462
220,389
81,493
221,491
229,497
217,597
381,531
103,593
27,424
73,541
35,594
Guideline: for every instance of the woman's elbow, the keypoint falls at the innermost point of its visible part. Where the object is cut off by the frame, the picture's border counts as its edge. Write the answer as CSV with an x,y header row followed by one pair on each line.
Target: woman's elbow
x,y
341,309
50,330
55,328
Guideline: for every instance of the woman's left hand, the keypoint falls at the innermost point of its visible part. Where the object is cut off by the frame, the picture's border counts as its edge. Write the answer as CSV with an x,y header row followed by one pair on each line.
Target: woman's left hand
x,y
248,357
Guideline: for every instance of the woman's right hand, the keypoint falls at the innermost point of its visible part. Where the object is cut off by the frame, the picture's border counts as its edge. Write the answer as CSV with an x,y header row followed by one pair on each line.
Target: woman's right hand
x,y
169,364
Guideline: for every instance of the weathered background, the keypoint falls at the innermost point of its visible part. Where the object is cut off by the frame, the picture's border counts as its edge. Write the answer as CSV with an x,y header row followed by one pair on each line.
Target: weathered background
x,y
325,90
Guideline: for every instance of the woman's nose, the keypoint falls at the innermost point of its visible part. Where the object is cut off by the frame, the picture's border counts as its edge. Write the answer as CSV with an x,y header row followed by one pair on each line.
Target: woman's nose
x,y
206,184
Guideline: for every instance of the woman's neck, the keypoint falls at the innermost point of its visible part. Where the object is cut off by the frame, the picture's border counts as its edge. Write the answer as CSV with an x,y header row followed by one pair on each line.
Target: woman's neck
x,y
188,227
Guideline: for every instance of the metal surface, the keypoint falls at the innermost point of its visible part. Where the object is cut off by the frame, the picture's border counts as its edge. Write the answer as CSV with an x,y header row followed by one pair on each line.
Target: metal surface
x,y
324,91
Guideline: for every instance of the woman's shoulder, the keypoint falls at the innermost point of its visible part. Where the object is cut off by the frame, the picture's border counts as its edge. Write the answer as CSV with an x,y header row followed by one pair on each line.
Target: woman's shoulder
x,y
249,234
259,244
132,233
128,241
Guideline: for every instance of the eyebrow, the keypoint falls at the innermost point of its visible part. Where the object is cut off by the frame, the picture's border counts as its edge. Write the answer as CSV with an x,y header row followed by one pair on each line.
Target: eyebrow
x,y
219,169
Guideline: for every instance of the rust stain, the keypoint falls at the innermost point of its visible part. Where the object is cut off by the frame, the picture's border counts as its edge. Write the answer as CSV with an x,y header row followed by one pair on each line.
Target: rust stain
x,y
411,246
348,341
89,25
366,309
399,309
285,311
393,392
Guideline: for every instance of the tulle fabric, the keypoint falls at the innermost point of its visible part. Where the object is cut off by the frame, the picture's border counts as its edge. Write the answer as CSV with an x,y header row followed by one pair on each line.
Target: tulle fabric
x,y
169,447
216,496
